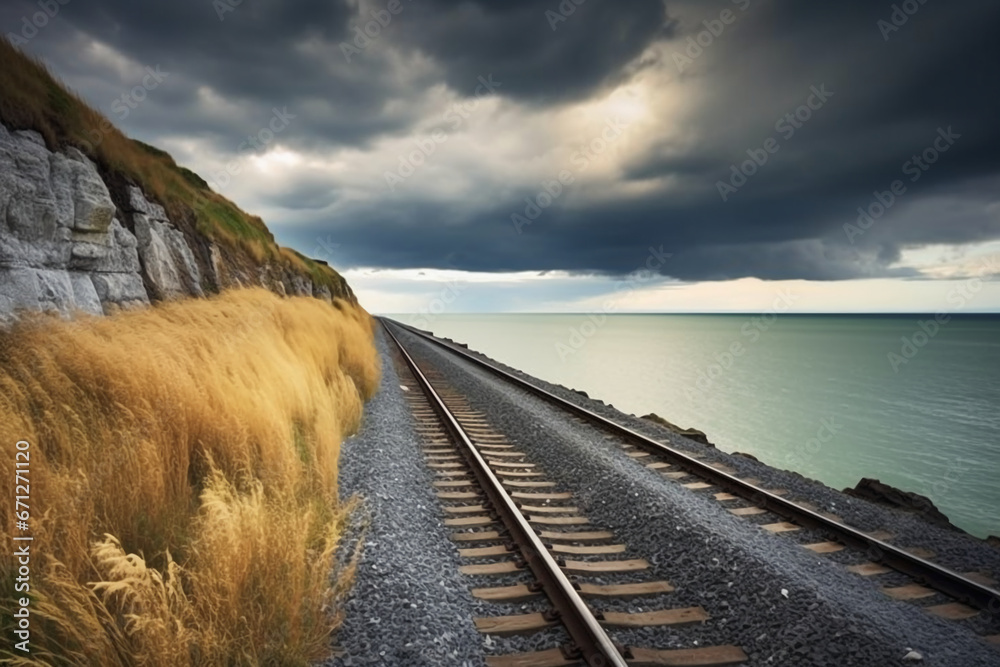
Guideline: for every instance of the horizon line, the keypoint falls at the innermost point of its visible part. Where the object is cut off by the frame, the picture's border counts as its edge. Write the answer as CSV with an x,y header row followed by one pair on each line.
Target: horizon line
x,y
707,312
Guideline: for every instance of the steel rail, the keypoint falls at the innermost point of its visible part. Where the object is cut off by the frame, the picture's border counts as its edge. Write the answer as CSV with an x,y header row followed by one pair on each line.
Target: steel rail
x,y
594,645
942,579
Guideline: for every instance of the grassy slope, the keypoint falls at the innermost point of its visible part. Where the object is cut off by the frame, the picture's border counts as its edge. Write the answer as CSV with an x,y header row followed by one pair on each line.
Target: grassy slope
x,y
183,469
31,99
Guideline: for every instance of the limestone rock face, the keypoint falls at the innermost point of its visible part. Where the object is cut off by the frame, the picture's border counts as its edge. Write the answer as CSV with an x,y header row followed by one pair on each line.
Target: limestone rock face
x,y
170,266
68,245
301,286
59,233
323,292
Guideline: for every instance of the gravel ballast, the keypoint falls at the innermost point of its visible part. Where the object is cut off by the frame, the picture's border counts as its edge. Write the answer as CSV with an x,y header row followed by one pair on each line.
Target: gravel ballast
x,y
409,604
958,551
781,603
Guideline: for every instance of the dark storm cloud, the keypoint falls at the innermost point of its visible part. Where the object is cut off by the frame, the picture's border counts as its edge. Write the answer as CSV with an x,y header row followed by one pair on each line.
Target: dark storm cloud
x,y
279,52
543,51
890,97
257,56
890,100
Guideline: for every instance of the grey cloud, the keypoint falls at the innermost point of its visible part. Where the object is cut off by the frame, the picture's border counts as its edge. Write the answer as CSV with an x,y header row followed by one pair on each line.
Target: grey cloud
x,y
890,99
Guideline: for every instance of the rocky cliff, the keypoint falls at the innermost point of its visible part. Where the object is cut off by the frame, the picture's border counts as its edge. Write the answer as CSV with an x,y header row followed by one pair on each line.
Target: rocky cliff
x,y
92,221
66,245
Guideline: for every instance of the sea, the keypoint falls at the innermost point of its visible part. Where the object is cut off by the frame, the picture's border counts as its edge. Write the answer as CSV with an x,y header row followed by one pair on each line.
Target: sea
x,y
908,399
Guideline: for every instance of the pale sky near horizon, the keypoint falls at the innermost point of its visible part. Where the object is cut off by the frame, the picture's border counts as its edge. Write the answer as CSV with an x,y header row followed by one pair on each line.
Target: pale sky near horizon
x,y
458,292
498,156
957,282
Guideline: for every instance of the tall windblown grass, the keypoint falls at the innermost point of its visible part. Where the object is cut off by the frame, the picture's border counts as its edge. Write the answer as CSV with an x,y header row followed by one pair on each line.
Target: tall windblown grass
x,y
183,478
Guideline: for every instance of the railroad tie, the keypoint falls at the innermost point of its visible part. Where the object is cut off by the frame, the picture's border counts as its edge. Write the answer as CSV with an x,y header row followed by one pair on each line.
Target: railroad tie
x,y
646,619
604,566
825,547
484,552
868,569
781,527
475,536
515,593
500,567
576,536
463,509
953,611
589,550
507,626
708,656
909,592
625,590
748,511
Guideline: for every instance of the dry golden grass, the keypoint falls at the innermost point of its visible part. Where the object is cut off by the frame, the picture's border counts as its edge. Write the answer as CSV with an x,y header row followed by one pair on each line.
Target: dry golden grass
x,y
183,478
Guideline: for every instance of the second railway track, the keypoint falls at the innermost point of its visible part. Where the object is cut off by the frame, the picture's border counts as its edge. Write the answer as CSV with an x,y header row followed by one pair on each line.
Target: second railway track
x,y
955,596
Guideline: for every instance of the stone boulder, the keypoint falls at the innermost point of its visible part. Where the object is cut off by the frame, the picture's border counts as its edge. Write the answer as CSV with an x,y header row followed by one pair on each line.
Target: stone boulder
x,y
884,494
689,433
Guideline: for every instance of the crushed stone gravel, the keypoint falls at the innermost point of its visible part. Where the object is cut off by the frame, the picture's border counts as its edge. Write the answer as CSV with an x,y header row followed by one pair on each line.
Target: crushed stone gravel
x,y
409,604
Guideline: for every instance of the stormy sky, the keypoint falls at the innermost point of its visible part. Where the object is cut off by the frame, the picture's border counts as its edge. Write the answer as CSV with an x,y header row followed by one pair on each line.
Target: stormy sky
x,y
544,155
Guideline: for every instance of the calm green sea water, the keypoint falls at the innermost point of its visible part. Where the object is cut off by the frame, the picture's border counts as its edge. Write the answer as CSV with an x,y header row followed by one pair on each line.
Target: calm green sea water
x,y
820,395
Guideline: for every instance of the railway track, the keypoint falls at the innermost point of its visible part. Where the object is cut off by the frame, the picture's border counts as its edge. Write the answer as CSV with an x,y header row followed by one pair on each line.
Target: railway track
x,y
968,594
510,522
